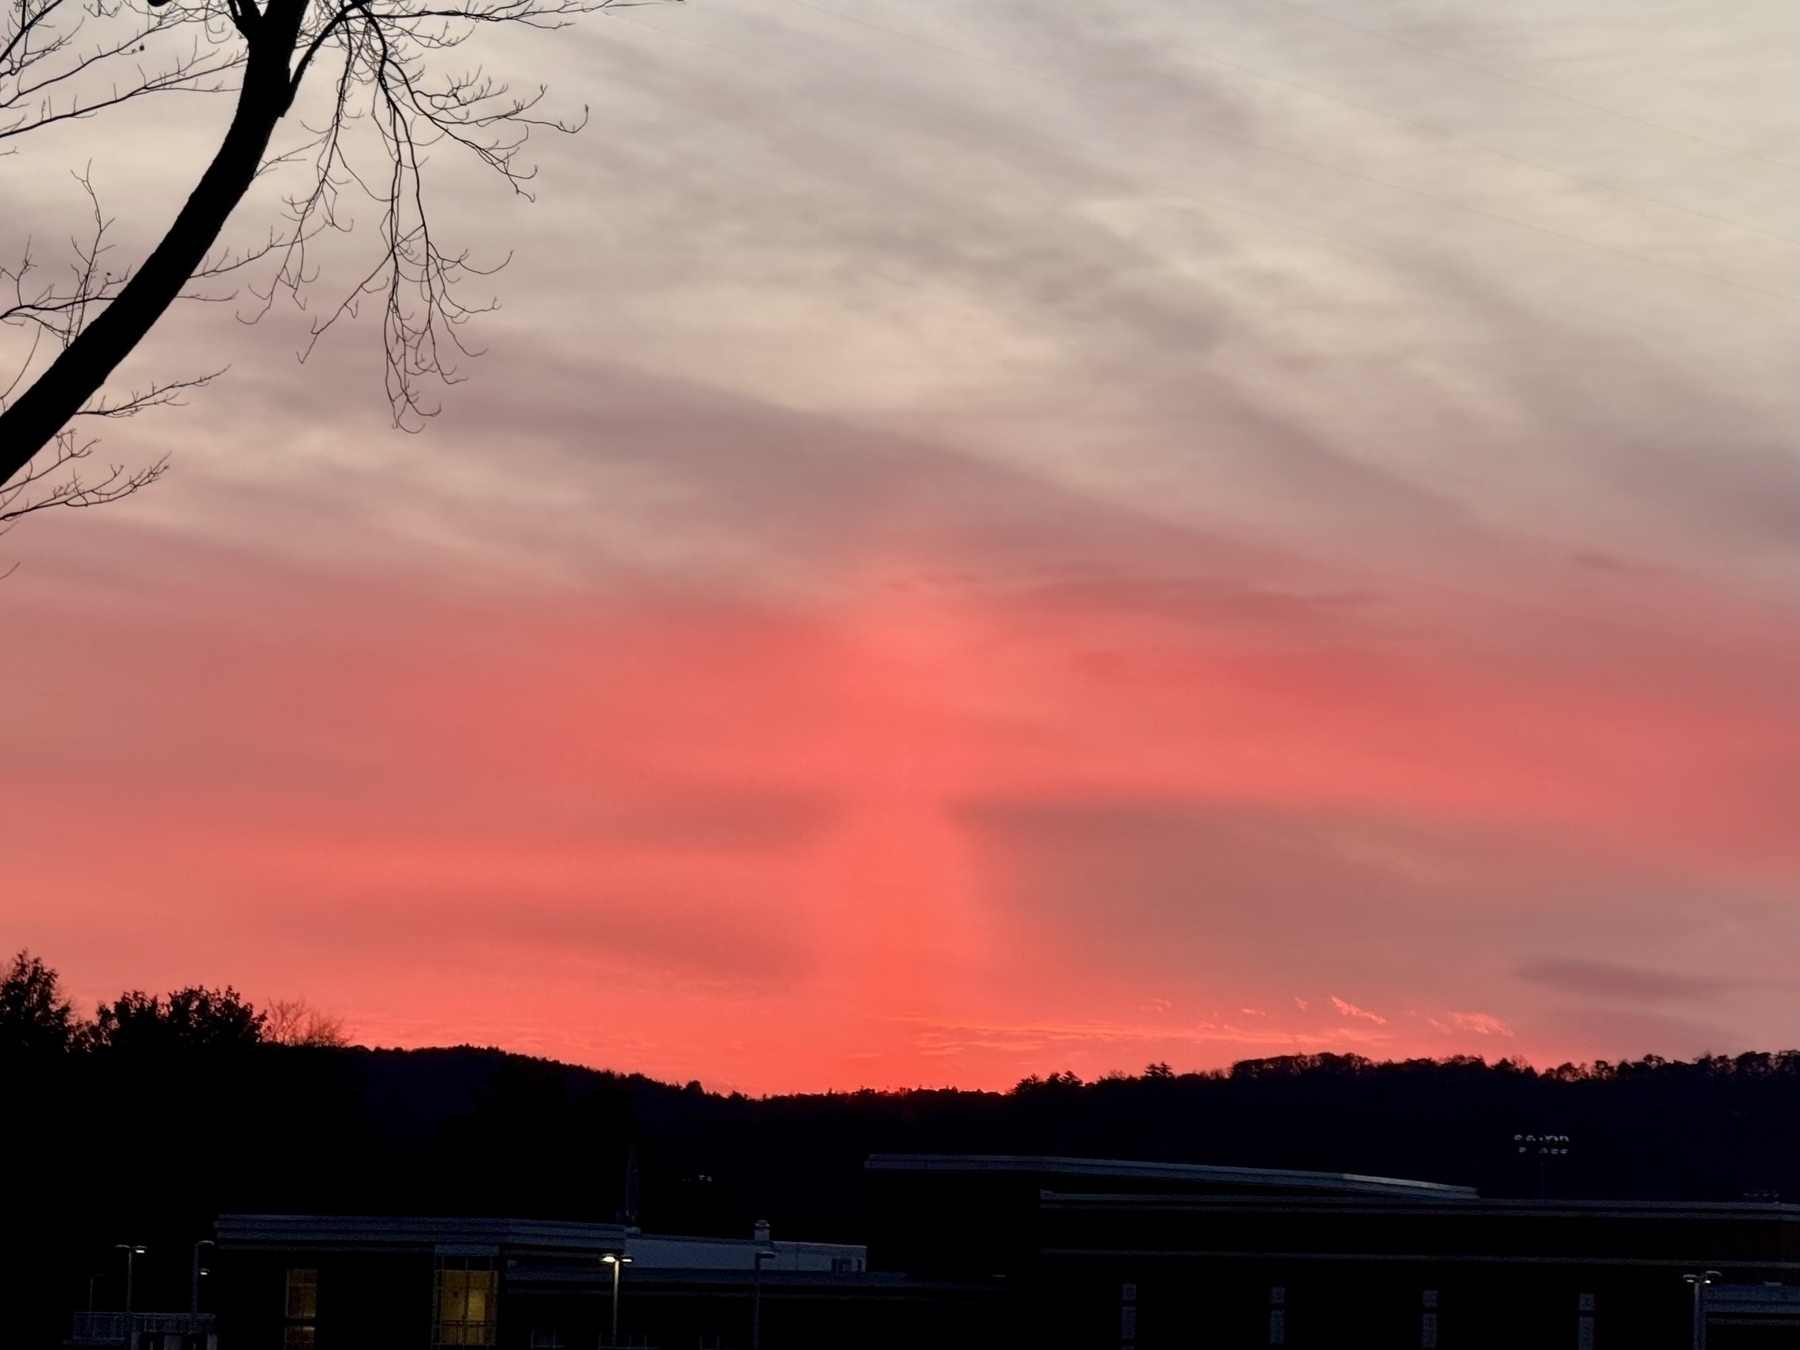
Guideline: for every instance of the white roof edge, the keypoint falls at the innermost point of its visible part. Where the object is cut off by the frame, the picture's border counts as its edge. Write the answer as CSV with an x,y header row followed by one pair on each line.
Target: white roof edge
x,y
1004,1162
420,1228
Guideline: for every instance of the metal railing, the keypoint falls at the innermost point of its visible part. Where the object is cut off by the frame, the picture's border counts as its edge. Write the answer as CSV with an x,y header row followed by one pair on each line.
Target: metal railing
x,y
123,1328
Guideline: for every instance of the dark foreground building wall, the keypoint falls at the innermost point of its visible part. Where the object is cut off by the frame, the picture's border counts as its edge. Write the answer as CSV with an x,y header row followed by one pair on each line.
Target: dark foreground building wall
x,y
1045,1254
302,1282
1131,1256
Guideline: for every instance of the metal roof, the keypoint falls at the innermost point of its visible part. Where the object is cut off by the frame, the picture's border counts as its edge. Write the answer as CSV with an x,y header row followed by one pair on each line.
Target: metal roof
x,y
1428,1203
1197,1175
371,1230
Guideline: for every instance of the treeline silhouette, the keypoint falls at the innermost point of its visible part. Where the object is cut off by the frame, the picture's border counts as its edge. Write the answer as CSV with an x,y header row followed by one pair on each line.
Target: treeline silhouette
x,y
144,1123
35,1018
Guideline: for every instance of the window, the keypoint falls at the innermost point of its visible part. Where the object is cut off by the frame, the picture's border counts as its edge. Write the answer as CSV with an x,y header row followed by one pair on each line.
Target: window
x,y
465,1306
300,1306
302,1294
546,1340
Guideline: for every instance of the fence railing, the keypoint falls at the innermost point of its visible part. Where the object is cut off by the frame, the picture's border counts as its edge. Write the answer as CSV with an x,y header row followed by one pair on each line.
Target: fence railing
x,y
117,1328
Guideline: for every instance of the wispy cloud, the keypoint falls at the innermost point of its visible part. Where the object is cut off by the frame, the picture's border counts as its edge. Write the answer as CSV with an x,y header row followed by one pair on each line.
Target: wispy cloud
x,y
1348,1009
1477,1023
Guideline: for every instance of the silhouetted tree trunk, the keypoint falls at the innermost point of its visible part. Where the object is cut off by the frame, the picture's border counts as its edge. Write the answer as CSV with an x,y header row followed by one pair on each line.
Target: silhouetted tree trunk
x,y
61,392
383,52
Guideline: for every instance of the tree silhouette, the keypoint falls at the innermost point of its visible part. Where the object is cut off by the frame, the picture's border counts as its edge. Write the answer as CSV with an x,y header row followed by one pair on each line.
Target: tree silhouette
x,y
384,104
186,1019
293,1021
34,1016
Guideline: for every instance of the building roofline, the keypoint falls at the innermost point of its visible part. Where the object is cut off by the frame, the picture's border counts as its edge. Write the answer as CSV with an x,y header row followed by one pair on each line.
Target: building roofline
x,y
1199,1174
1164,1200
420,1231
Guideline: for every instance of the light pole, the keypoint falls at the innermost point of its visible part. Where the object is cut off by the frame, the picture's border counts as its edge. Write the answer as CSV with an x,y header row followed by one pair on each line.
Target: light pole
x,y
1544,1146
618,1261
1699,1283
132,1251
194,1285
756,1299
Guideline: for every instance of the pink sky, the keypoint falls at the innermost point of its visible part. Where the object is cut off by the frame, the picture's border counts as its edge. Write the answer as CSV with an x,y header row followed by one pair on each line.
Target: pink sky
x,y
985,541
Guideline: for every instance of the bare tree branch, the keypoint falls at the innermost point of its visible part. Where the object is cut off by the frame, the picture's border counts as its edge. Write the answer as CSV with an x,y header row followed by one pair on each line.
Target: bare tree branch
x,y
387,109
55,474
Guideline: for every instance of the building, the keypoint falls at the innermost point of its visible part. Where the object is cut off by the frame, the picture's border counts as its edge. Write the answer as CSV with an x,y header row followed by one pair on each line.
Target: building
x,y
1037,1252
1141,1256
309,1282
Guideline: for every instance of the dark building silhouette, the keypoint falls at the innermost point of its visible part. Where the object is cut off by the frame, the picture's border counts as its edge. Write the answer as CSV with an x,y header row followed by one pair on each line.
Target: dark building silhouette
x,y
1154,1256
1044,1253
290,1282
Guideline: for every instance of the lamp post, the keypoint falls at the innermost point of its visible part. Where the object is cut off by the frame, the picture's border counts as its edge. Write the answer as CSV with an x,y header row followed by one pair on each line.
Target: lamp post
x,y
132,1251
618,1261
758,1257
1699,1283
194,1284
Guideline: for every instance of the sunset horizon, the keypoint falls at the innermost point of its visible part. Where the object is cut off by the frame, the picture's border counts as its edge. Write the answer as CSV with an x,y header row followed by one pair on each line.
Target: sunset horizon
x,y
978,542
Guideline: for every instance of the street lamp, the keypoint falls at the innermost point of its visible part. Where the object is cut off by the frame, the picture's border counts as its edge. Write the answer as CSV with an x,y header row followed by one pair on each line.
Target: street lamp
x,y
132,1251
756,1297
194,1284
618,1261
1699,1283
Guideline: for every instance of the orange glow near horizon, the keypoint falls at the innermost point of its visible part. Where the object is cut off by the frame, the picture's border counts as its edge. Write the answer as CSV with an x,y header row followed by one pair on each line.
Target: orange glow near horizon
x,y
982,540
928,835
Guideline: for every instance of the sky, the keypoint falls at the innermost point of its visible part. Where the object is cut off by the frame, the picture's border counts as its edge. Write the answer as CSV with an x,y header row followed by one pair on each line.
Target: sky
x,y
983,539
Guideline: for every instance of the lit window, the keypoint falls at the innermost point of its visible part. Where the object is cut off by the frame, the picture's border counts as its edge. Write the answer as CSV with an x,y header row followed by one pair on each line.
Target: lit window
x,y
466,1300
299,1337
302,1294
